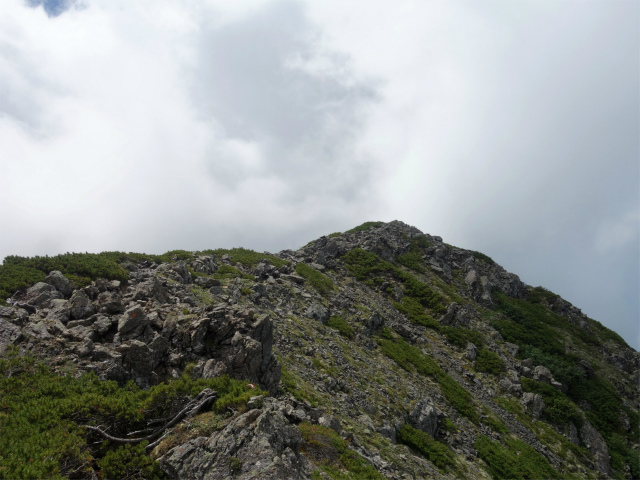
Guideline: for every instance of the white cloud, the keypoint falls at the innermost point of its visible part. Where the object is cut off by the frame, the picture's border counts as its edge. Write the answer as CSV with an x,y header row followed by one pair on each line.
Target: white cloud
x,y
152,125
619,232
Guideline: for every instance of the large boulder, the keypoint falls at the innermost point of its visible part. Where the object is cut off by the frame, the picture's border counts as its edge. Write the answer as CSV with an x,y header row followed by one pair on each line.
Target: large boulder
x,y
261,444
131,320
60,282
594,442
151,289
424,416
80,304
10,334
534,403
41,294
318,312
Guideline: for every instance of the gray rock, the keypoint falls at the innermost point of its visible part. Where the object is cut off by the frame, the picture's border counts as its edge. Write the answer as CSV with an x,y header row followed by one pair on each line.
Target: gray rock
x,y
542,374
41,294
60,282
10,334
472,352
373,323
424,416
448,317
318,312
60,311
512,348
102,324
534,403
573,434
132,319
80,305
151,289
331,422
594,442
264,443
110,302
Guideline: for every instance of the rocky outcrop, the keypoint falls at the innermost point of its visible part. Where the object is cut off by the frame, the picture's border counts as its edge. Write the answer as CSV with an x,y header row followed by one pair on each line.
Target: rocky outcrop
x,y
261,444
338,371
594,442
153,340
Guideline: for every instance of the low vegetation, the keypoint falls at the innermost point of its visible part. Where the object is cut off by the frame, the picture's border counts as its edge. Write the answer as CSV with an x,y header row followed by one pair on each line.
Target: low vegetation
x,y
338,323
539,332
18,273
332,455
365,226
515,460
245,256
434,451
43,417
365,265
409,357
316,279
489,362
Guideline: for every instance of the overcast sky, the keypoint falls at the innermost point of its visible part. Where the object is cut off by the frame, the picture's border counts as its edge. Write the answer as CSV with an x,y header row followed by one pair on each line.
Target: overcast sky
x,y
507,127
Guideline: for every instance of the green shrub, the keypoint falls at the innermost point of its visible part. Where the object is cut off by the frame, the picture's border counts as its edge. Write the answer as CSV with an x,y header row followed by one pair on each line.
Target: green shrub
x,y
495,423
341,325
541,295
365,226
460,336
407,356
458,397
412,260
42,416
129,461
235,465
513,461
416,312
559,409
316,279
363,264
326,449
482,256
489,362
434,451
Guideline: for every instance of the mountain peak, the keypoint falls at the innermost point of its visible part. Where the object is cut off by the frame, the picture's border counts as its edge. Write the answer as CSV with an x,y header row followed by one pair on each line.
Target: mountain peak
x,y
379,352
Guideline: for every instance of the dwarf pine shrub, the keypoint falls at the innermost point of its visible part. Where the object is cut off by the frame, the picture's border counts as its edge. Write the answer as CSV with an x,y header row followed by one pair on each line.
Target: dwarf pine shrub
x,y
42,415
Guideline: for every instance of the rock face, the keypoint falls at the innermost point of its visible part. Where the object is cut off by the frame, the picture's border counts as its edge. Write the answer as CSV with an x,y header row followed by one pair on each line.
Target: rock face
x,y
358,360
594,442
259,444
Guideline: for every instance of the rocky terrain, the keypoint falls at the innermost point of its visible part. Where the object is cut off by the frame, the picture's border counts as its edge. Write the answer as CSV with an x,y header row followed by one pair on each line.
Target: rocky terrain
x,y
385,352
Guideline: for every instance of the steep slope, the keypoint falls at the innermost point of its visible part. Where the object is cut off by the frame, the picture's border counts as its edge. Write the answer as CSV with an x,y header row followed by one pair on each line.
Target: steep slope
x,y
386,352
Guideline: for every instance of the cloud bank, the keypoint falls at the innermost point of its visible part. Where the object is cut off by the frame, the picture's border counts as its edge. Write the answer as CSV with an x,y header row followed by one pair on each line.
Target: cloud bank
x,y
509,128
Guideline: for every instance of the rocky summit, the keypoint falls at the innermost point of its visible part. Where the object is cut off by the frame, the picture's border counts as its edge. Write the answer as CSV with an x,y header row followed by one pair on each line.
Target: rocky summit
x,y
380,352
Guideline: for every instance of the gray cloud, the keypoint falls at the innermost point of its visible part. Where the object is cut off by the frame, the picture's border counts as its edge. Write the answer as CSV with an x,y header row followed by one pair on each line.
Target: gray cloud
x,y
507,128
256,78
53,8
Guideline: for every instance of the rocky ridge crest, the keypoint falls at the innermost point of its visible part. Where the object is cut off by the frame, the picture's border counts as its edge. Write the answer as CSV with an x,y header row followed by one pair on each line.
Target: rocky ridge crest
x,y
325,344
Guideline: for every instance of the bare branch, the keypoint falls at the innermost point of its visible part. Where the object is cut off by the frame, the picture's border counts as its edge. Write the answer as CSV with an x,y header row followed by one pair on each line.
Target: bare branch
x,y
204,398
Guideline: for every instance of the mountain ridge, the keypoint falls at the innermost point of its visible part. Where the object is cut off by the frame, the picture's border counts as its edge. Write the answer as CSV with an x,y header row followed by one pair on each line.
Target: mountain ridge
x,y
385,352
